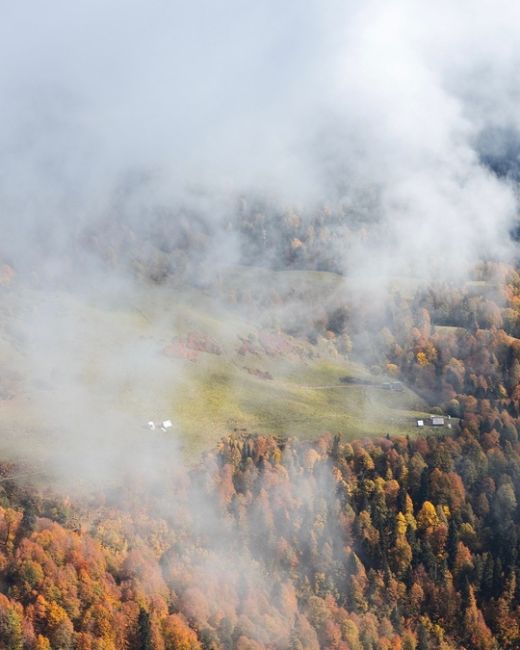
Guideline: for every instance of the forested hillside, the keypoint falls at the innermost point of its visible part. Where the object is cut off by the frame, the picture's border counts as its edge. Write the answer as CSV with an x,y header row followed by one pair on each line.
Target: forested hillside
x,y
393,542
260,325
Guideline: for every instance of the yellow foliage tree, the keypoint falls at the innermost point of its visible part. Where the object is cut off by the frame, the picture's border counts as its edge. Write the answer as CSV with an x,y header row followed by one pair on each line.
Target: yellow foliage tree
x,y
422,359
427,516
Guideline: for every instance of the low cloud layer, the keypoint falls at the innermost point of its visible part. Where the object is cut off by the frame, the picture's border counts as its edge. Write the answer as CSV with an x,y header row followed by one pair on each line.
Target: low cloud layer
x,y
299,104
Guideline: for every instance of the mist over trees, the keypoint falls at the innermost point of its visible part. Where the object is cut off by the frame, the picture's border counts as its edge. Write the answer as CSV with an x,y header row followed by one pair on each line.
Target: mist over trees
x,y
392,542
318,184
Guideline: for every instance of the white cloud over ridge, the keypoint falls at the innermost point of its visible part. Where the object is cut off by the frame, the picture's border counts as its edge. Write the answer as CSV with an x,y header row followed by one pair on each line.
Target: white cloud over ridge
x,y
300,103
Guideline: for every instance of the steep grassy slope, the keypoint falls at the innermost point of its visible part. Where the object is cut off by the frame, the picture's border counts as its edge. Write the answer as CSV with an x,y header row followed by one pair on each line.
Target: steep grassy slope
x,y
222,396
81,360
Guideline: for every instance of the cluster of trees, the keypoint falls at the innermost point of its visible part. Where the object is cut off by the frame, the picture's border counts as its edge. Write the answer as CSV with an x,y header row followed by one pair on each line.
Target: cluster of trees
x,y
291,239
178,241
452,364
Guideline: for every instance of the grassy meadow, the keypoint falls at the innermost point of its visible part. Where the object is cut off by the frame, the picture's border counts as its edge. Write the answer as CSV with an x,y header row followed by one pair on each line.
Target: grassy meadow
x,y
72,356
